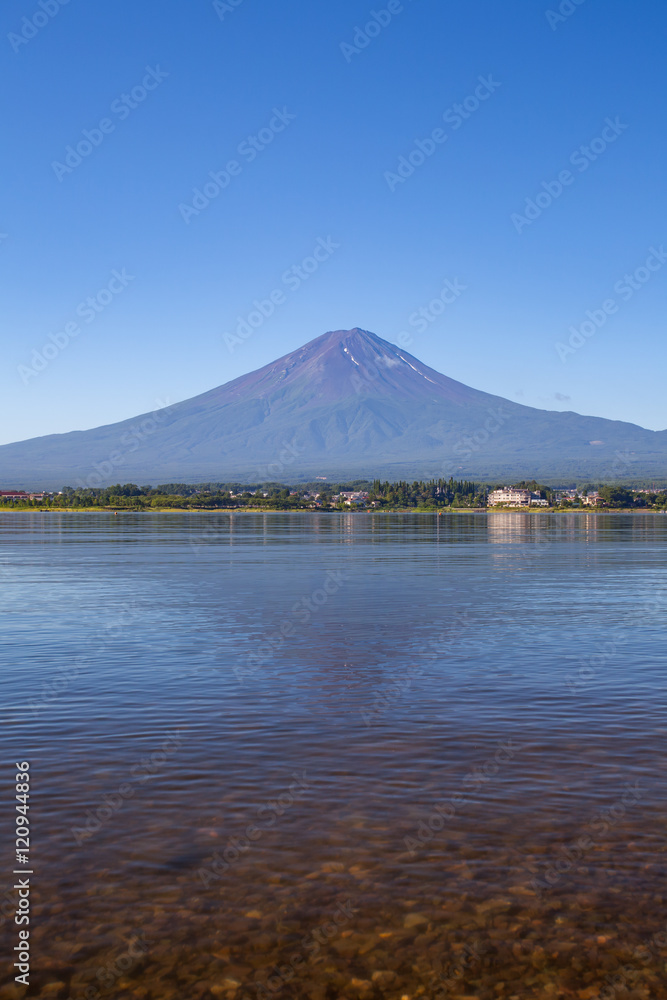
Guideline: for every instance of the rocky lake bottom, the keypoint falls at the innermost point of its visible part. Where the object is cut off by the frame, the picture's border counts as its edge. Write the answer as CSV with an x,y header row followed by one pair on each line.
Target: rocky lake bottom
x,y
391,756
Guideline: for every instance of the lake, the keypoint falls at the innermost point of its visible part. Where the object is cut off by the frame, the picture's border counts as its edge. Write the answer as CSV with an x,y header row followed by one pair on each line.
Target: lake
x,y
337,755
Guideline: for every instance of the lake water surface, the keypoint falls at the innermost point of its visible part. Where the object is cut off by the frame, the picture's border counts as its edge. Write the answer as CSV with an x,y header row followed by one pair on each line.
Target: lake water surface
x,y
337,755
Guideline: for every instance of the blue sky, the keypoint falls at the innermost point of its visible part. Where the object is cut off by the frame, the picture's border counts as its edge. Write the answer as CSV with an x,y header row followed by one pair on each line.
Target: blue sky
x,y
335,95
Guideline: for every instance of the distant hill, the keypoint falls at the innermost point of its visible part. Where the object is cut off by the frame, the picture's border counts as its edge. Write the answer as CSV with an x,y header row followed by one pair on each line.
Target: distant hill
x,y
346,404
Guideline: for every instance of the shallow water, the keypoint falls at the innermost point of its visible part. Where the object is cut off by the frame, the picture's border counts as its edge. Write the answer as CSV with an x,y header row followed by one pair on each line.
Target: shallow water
x,y
240,726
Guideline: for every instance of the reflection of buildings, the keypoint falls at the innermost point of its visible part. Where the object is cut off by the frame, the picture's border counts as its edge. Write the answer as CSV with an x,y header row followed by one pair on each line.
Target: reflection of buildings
x,y
504,528
538,533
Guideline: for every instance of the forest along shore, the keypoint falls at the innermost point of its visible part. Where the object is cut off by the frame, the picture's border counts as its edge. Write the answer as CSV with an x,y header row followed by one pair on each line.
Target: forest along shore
x,y
358,495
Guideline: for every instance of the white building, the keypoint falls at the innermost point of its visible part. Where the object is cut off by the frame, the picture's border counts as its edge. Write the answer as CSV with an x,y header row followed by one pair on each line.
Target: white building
x,y
509,496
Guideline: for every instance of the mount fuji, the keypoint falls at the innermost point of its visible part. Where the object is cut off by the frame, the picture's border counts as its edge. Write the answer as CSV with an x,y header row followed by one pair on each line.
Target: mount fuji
x,y
347,404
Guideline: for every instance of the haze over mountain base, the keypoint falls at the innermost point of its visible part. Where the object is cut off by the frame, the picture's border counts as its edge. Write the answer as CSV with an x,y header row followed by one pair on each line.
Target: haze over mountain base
x,y
348,404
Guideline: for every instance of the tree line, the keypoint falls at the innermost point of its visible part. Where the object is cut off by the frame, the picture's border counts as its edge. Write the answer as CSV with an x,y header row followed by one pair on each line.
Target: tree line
x,y
430,494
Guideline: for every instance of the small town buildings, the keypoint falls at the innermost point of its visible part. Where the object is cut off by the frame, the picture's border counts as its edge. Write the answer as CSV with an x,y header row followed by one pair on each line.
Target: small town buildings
x,y
592,499
569,495
20,495
352,497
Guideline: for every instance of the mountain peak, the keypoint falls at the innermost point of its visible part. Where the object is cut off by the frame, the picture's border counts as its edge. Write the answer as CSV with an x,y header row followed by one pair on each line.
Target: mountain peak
x,y
348,364
346,402
356,334
355,331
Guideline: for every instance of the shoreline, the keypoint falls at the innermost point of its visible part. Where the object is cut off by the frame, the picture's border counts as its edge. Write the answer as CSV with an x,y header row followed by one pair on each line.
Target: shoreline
x,y
522,512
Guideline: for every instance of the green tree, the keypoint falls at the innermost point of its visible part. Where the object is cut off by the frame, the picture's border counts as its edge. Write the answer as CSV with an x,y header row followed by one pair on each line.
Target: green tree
x,y
617,496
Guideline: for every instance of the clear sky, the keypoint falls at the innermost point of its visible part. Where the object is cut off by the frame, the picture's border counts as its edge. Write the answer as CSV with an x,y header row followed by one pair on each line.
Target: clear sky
x,y
306,107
